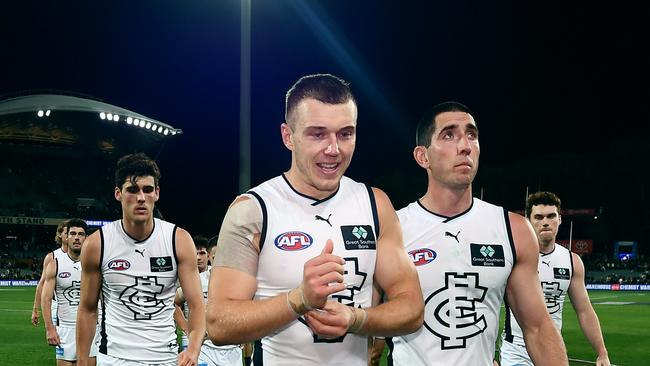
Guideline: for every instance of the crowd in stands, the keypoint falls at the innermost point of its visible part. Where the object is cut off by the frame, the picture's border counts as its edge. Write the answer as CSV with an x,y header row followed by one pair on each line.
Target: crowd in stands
x,y
602,269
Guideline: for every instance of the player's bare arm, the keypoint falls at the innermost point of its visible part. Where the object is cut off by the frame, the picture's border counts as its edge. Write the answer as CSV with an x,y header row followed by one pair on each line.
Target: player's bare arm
x,y
233,316
586,315
524,294
46,303
179,317
188,276
39,288
91,281
403,310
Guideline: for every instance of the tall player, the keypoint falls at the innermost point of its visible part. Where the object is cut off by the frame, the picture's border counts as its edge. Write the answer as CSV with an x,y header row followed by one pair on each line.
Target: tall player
x,y
134,263
61,238
298,256
560,272
63,276
468,254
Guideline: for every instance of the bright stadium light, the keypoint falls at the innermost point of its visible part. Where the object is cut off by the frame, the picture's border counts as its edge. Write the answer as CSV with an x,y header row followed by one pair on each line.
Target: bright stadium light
x,y
160,128
47,113
129,120
148,125
102,115
116,118
136,122
173,132
153,126
109,116
40,113
166,132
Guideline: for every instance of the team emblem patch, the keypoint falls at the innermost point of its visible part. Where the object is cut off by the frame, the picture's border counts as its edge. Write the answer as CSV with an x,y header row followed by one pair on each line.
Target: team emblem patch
x,y
293,240
161,264
422,256
561,273
358,237
487,255
119,264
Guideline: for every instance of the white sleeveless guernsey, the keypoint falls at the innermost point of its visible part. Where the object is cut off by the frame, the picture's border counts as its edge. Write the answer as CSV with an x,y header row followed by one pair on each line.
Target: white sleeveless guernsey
x,y
138,288
295,229
555,272
463,263
68,283
57,253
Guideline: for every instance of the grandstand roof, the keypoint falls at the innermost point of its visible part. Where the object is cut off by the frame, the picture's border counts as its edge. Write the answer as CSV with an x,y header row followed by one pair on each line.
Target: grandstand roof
x,y
59,102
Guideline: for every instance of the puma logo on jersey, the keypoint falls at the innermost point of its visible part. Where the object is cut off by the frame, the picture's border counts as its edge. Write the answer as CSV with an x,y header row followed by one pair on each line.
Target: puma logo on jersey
x,y
141,252
548,264
327,220
447,233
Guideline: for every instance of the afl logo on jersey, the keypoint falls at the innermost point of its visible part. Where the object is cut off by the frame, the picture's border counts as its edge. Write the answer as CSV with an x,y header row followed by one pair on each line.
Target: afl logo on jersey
x,y
119,264
422,256
293,240
64,274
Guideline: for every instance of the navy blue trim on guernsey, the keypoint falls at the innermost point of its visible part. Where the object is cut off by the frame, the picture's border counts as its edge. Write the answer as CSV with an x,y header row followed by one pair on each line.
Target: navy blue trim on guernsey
x,y
507,327
265,216
56,275
103,338
258,356
447,218
316,200
373,206
571,261
549,253
136,241
174,245
391,346
506,218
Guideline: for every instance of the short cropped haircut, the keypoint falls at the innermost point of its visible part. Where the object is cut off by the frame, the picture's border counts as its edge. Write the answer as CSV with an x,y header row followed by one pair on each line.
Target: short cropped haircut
x,y
325,88
427,124
543,198
134,166
201,241
77,223
59,230
212,242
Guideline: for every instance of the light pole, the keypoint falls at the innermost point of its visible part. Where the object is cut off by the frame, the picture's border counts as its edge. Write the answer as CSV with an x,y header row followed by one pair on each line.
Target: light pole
x,y
245,98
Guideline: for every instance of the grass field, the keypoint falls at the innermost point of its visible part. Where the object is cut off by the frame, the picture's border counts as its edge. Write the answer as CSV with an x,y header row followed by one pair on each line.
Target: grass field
x,y
624,316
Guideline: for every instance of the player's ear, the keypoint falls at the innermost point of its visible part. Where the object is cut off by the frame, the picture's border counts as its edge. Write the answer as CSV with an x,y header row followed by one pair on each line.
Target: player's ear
x,y
118,194
420,155
287,136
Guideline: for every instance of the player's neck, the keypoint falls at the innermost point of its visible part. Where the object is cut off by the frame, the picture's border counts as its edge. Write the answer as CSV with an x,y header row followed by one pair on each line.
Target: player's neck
x,y
301,186
74,256
447,202
546,246
138,230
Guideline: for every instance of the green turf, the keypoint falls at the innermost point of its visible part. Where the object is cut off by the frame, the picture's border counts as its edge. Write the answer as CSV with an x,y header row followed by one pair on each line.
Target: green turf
x,y
626,329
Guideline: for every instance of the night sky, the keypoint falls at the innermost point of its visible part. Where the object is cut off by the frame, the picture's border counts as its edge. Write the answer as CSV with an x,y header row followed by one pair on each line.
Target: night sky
x,y
559,90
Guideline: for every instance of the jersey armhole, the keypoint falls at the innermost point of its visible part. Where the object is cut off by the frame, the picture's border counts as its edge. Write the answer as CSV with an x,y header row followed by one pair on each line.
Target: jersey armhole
x,y
264,218
571,261
373,207
56,270
101,248
510,239
174,244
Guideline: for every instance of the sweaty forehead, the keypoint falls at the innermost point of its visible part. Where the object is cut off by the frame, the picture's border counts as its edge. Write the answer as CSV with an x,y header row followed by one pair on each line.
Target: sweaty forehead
x,y
140,181
313,113
543,210
460,119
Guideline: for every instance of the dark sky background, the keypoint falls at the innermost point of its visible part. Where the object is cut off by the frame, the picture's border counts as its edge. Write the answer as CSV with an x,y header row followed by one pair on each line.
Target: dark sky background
x,y
559,90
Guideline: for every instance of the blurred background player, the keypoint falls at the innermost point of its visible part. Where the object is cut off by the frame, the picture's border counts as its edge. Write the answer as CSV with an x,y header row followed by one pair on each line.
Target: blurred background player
x,y
63,277
560,272
61,239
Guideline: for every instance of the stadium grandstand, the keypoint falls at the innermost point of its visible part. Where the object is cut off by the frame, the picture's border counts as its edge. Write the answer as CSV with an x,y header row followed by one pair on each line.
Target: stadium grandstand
x,y
58,153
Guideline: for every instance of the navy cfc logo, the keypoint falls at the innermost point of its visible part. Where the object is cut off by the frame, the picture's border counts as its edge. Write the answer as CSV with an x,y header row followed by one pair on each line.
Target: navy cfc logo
x,y
141,298
72,293
552,293
450,312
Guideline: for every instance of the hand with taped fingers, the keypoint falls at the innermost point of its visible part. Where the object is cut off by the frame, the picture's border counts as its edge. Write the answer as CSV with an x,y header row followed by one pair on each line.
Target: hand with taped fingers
x,y
322,276
332,321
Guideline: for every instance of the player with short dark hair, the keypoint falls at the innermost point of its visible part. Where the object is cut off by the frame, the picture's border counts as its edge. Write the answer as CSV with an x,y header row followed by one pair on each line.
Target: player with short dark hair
x,y
299,255
561,272
135,263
